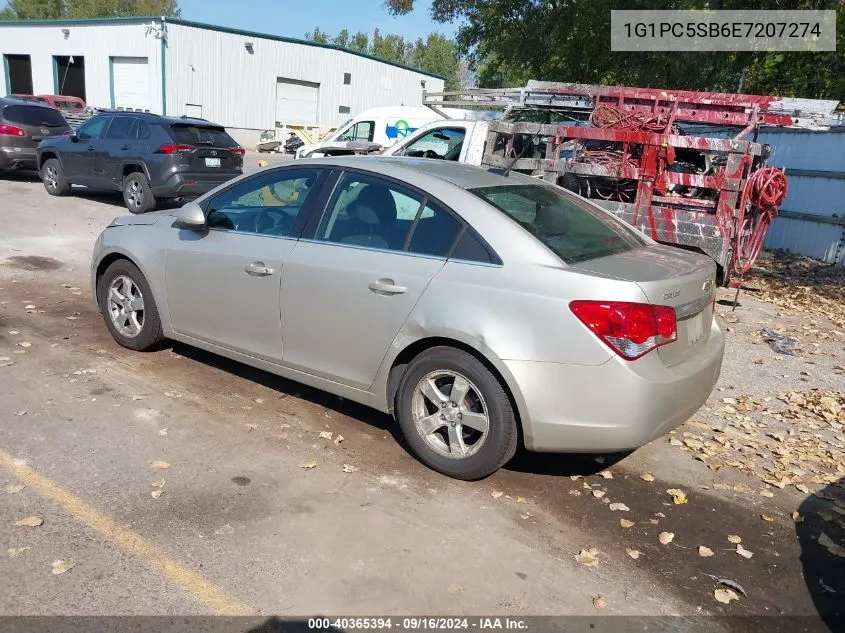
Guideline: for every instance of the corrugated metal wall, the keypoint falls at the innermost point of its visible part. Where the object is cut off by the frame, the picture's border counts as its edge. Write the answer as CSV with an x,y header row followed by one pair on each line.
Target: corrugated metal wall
x,y
96,42
812,220
238,89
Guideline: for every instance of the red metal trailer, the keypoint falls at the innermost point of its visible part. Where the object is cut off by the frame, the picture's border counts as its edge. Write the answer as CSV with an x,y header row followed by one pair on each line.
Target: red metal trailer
x,y
678,165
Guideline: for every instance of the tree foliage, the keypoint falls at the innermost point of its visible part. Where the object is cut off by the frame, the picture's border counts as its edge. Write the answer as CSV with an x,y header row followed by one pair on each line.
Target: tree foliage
x,y
435,54
511,41
57,9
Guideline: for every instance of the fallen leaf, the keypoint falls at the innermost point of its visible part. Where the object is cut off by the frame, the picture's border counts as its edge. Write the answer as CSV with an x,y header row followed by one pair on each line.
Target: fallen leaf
x,y
259,400
225,530
496,494
308,465
767,494
22,412
743,552
599,602
326,435
679,497
725,596
626,523
674,441
704,552
61,566
766,518
137,397
647,477
621,507
521,500
338,440
666,537
588,557
158,483
606,474
32,521
14,552
733,538
572,477
25,344
14,332
155,494
797,517
349,468
29,306
802,488
654,521
525,516
14,489
159,465
598,494
633,553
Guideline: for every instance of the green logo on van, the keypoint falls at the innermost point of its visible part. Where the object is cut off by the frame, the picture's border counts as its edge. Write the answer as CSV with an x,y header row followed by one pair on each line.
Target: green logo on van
x,y
402,128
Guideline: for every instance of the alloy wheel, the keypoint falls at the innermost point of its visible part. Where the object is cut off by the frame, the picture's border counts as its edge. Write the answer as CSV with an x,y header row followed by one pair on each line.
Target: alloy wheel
x,y
126,306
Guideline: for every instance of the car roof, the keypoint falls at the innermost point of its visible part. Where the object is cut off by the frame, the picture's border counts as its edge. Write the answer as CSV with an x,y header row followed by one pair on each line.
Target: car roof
x,y
27,102
182,120
459,174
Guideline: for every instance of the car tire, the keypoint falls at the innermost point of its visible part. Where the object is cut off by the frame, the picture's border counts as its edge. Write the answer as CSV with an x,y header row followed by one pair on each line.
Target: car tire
x,y
133,325
53,178
137,193
456,448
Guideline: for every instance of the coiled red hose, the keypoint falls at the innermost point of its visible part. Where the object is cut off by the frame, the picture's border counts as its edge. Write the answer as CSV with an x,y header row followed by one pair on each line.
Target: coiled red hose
x,y
764,190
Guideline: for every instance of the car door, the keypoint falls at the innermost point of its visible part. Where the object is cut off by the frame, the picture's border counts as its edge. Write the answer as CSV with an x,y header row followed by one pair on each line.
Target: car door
x,y
79,159
117,146
223,283
347,290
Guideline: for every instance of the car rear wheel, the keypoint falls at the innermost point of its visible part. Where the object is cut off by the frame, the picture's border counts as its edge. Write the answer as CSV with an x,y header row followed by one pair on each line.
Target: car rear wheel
x,y
53,178
137,193
455,414
128,307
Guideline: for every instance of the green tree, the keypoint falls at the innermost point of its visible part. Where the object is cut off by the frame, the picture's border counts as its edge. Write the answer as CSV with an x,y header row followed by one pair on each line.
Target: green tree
x,y
391,47
437,54
32,10
511,41
321,37
360,42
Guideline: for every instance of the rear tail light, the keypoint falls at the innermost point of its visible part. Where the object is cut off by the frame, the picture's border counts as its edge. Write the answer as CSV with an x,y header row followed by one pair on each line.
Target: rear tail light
x,y
173,148
629,329
67,133
11,130
240,151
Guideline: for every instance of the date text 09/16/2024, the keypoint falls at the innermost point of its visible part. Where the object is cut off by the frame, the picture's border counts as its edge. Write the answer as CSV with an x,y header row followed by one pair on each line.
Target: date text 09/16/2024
x,y
425,623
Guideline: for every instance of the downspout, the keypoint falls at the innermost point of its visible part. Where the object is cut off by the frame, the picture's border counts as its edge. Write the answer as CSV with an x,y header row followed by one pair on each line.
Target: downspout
x,y
163,65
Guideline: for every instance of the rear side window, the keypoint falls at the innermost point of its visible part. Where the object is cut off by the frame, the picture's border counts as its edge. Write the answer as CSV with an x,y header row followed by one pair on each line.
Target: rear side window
x,y
33,115
570,228
121,127
142,130
69,105
200,135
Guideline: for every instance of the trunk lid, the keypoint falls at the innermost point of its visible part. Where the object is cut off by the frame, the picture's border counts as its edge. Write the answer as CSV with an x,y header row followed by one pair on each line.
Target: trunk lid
x,y
671,277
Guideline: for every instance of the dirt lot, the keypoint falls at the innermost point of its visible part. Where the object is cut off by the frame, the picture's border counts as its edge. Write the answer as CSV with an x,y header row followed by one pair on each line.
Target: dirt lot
x,y
173,483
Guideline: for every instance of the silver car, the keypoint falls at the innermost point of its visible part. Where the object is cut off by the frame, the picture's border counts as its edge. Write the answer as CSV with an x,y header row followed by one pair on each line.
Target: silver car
x,y
484,311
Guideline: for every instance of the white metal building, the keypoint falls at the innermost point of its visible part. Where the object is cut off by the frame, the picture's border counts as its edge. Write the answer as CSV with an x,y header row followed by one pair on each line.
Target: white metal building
x,y
246,81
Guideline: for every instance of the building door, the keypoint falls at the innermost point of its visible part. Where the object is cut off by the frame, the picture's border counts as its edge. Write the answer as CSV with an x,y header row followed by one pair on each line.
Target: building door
x,y
18,74
130,79
69,75
296,101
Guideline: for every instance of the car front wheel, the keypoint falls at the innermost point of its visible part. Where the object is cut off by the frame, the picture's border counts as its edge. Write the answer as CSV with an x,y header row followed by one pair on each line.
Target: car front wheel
x,y
128,307
455,414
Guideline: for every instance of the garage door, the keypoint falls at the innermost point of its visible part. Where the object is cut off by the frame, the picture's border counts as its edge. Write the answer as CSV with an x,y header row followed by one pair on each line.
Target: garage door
x,y
130,83
296,101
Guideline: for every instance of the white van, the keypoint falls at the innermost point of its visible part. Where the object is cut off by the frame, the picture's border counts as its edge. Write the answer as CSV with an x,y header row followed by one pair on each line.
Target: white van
x,y
371,131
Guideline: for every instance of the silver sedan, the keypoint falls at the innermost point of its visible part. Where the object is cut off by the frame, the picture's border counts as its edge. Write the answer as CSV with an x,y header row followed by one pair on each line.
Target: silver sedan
x,y
483,311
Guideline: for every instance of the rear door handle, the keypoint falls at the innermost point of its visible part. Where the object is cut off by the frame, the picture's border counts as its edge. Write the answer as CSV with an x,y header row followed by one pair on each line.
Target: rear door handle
x,y
91,148
258,269
386,287
125,147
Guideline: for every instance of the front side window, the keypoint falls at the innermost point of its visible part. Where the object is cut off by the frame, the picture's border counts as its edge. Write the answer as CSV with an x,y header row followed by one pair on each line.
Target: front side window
x,y
95,128
571,228
444,144
267,204
361,131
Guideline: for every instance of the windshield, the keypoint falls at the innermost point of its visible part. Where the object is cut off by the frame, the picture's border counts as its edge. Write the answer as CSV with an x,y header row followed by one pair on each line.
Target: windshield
x,y
571,228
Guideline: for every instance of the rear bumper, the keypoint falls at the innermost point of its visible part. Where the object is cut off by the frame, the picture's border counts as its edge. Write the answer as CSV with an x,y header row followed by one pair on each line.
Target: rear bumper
x,y
192,185
616,406
18,158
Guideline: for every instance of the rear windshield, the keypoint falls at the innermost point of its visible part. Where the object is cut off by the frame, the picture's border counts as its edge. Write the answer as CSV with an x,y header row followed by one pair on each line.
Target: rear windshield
x,y
573,229
198,135
33,115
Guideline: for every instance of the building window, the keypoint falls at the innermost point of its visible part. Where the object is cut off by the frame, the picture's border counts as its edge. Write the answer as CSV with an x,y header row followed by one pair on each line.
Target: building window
x,y
347,79
18,70
344,110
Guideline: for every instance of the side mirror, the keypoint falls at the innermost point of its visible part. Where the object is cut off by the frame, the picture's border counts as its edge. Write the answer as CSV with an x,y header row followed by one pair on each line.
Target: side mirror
x,y
190,217
74,137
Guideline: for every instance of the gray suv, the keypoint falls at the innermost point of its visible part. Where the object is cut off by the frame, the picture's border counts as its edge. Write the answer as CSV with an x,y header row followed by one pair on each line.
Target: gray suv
x,y
146,156
23,125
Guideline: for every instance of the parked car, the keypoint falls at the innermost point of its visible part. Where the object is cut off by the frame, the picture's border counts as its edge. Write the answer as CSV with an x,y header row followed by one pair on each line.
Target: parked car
x,y
481,310
146,156
23,125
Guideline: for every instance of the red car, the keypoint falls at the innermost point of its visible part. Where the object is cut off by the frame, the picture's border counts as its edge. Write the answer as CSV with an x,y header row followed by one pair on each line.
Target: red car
x,y
60,102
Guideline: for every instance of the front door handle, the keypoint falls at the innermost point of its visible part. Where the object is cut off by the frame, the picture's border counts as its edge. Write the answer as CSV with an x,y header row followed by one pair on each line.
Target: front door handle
x,y
386,287
91,148
258,269
125,147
